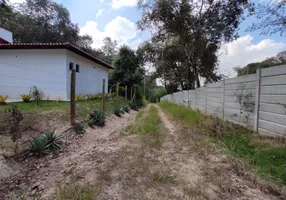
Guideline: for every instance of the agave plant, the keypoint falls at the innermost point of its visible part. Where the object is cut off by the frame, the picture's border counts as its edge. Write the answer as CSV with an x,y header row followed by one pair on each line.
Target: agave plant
x,y
79,128
3,99
38,146
126,108
26,97
48,141
97,118
117,111
53,140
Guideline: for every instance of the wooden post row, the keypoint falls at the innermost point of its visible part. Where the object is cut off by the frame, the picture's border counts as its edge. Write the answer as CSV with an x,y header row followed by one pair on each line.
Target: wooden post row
x,y
72,97
103,94
117,90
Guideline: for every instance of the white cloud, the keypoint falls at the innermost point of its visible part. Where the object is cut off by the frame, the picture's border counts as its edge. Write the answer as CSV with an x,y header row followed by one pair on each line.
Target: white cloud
x,y
123,3
242,51
16,1
120,29
99,13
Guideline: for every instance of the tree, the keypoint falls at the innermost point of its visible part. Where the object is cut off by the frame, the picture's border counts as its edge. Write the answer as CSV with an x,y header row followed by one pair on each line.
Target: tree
x,y
279,59
196,29
271,17
109,48
127,71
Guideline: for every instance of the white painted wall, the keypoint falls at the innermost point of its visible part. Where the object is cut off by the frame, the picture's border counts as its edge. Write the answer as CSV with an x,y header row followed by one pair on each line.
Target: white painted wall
x,y
21,69
267,92
89,79
6,35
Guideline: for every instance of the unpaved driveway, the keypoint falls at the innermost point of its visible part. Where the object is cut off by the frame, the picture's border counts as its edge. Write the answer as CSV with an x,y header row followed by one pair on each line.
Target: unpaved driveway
x,y
121,167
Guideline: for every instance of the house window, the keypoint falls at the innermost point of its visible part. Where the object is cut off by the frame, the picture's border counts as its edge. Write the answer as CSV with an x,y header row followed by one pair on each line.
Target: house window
x,y
77,68
71,66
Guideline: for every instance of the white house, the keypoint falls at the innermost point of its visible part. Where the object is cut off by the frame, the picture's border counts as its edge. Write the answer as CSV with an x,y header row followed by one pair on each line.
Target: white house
x,y
47,66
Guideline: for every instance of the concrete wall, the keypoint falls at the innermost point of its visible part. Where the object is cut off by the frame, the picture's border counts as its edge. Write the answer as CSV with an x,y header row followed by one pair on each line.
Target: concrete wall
x,y
257,100
22,69
89,79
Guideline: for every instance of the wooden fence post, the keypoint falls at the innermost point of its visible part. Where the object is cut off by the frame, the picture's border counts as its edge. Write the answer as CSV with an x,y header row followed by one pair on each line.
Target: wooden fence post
x,y
222,98
117,91
126,93
103,94
72,97
131,94
134,95
257,99
206,102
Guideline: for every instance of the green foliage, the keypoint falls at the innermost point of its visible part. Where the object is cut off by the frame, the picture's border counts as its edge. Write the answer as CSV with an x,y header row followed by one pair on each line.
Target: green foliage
x,y
97,118
37,94
122,110
3,100
25,97
149,126
127,68
266,154
251,68
117,111
126,108
134,106
75,192
46,142
79,128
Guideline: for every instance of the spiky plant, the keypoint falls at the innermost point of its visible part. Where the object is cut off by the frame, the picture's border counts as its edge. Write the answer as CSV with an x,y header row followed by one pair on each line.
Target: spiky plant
x,y
117,111
79,128
97,118
53,140
38,146
126,108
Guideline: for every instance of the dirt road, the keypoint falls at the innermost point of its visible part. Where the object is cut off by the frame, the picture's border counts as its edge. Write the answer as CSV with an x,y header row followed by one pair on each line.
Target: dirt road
x,y
119,167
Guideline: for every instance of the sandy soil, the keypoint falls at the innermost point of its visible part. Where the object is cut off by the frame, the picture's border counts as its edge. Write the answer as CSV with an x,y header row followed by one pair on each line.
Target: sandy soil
x,y
120,167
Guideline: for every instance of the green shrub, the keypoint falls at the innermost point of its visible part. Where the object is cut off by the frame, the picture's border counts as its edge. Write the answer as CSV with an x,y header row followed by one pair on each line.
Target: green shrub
x,y
133,105
48,141
122,110
80,97
97,118
37,94
126,108
38,146
79,128
117,111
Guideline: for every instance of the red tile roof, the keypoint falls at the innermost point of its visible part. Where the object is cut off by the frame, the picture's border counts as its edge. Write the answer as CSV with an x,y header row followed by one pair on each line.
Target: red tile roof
x,y
66,45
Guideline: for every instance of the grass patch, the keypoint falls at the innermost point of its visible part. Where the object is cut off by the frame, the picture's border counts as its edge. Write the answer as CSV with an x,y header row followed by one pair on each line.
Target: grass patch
x,y
163,177
149,126
83,108
266,154
181,113
75,192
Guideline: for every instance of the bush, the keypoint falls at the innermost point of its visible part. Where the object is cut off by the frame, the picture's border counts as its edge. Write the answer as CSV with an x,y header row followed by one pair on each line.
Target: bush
x,y
48,141
133,105
126,108
80,97
79,128
3,99
97,118
37,94
122,110
25,97
117,111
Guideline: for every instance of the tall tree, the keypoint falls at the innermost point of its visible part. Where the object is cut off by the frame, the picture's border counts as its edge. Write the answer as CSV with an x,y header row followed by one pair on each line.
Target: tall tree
x,y
109,48
127,68
270,17
198,27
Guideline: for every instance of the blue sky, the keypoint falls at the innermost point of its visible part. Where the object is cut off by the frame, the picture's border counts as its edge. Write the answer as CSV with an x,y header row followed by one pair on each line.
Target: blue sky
x,y
117,19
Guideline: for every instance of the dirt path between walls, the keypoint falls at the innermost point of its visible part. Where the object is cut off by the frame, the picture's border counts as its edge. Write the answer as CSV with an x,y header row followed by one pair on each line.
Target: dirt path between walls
x,y
120,167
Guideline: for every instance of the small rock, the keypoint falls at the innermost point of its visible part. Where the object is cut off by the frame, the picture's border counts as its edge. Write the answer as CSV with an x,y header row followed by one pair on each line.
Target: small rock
x,y
41,187
33,192
35,185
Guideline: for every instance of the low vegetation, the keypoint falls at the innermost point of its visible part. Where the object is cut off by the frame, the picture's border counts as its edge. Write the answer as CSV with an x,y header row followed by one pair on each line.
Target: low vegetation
x,y
79,128
117,111
26,97
3,100
149,126
97,118
48,141
75,192
266,154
